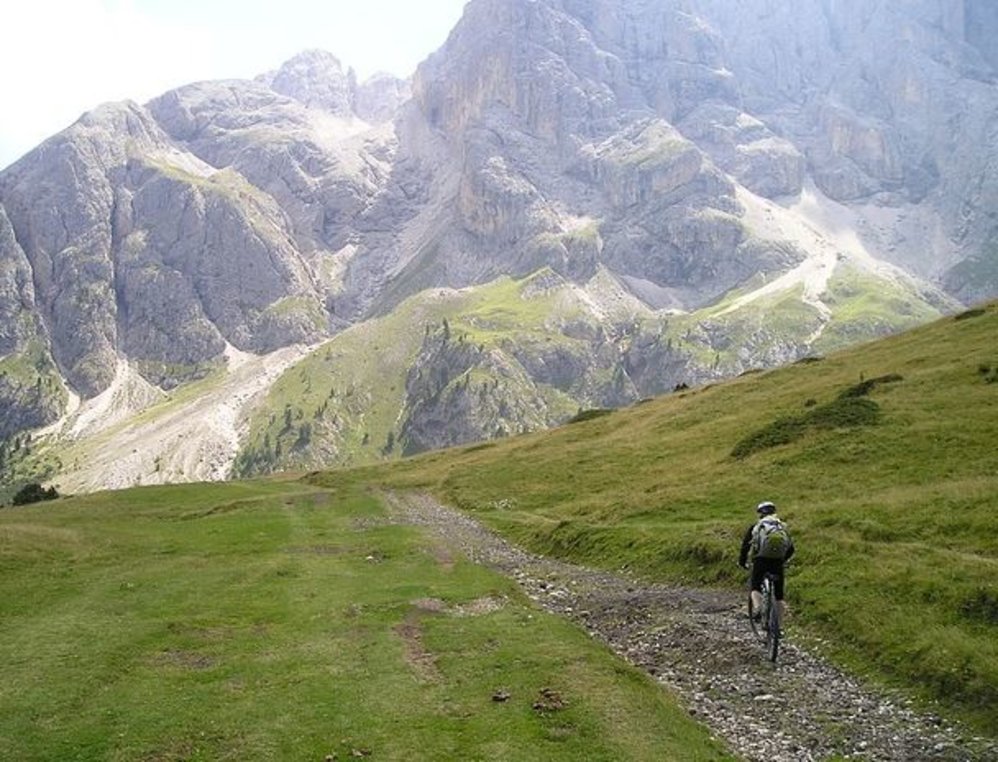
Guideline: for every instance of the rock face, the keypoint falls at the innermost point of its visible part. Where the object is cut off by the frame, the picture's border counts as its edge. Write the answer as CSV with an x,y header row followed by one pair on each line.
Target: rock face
x,y
17,292
445,408
315,79
138,248
30,392
646,119
705,157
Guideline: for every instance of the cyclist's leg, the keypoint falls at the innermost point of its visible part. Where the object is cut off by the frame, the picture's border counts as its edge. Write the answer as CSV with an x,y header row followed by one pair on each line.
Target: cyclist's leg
x,y
758,572
778,590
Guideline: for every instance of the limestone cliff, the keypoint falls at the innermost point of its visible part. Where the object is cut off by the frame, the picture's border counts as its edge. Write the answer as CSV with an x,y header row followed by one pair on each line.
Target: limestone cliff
x,y
138,248
642,122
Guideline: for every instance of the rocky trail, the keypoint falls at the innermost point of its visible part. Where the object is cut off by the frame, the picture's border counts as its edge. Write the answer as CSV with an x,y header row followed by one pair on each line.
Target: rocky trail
x,y
698,645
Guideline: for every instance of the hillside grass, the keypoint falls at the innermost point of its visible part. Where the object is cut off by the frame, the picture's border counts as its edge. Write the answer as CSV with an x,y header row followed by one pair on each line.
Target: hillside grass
x,y
344,404
863,305
894,506
273,620
285,619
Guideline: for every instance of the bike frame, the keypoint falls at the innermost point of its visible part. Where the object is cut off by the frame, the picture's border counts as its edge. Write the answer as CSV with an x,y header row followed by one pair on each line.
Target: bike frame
x,y
768,629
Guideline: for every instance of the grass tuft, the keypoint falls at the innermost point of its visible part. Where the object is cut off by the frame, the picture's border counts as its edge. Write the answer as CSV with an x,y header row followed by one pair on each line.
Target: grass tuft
x,y
981,606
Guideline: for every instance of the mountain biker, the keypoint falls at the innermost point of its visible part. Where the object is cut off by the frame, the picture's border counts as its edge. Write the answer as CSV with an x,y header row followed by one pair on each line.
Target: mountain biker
x,y
766,559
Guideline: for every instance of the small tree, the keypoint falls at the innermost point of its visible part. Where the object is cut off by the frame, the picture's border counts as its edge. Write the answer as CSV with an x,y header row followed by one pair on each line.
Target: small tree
x,y
304,435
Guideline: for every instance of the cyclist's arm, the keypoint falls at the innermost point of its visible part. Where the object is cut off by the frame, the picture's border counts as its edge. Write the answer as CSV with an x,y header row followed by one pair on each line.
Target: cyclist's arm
x,y
746,544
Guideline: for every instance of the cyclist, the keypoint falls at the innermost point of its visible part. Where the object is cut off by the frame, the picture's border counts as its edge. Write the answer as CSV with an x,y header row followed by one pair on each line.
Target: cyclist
x,y
768,543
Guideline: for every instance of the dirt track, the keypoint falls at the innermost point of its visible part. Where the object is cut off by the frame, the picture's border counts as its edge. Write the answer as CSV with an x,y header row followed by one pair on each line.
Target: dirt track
x,y
698,644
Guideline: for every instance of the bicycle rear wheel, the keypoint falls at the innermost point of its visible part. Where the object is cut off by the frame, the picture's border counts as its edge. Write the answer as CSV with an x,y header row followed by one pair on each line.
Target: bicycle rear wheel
x,y
772,624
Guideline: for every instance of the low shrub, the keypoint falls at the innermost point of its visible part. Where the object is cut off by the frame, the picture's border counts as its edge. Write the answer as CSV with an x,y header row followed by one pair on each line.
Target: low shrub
x,y
863,388
844,412
588,415
34,493
970,314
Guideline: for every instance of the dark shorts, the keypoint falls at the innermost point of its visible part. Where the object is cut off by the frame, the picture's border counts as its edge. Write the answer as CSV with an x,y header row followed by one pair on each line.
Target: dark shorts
x,y
759,568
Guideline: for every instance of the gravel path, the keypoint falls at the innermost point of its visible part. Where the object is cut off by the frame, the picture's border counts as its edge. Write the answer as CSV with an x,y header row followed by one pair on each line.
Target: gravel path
x,y
698,644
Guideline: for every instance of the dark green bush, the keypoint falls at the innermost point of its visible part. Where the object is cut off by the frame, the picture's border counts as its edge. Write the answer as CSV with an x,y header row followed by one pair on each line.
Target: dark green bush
x,y
34,493
588,415
970,314
865,387
482,446
844,412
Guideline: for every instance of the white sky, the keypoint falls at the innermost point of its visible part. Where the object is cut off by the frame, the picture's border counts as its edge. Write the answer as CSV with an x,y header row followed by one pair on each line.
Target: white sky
x,y
60,58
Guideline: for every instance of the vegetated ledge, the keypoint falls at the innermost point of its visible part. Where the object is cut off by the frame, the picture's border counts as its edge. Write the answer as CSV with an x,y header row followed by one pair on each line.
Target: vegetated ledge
x,y
849,410
972,313
588,415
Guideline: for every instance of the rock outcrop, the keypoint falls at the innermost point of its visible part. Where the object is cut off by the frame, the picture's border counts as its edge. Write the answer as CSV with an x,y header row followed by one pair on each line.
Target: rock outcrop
x,y
17,292
31,394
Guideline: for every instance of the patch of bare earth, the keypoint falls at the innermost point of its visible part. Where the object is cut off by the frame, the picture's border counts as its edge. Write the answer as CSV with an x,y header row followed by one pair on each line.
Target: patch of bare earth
x,y
697,643
183,660
420,661
443,556
488,604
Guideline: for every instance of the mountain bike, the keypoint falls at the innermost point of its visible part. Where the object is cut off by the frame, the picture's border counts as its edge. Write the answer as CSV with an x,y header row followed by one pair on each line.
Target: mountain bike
x,y
767,629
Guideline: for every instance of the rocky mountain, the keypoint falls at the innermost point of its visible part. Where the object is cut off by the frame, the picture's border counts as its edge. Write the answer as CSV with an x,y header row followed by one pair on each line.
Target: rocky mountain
x,y
701,189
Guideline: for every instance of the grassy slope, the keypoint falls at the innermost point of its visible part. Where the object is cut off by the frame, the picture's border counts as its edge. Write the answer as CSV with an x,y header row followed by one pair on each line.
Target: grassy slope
x,y
351,392
895,522
343,404
271,620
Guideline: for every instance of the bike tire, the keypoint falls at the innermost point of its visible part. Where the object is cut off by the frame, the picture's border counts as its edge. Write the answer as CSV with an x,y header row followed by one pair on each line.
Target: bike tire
x,y
772,625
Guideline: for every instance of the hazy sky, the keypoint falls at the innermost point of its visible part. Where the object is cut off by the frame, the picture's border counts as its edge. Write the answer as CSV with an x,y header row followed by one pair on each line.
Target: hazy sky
x,y
60,58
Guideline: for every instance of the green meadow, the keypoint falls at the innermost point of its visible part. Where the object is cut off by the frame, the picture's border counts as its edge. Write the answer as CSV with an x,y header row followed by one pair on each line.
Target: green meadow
x,y
273,620
285,618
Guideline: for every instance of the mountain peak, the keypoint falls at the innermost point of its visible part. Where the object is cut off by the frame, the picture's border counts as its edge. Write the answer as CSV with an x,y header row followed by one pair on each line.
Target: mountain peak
x,y
316,79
